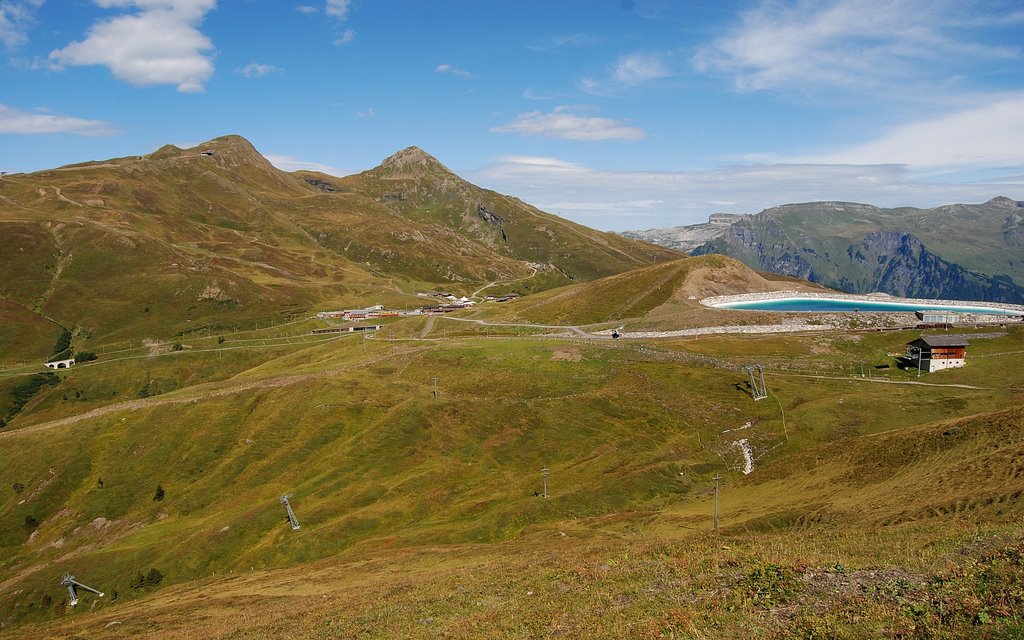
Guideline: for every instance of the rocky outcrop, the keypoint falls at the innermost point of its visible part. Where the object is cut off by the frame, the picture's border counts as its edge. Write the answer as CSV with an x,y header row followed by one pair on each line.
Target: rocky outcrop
x,y
489,216
689,237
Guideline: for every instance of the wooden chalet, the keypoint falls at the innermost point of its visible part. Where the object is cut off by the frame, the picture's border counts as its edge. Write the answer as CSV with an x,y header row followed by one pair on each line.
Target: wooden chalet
x,y
934,353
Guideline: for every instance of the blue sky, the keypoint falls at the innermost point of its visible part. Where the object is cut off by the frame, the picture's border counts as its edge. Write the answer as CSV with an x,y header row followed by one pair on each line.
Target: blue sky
x,y
620,114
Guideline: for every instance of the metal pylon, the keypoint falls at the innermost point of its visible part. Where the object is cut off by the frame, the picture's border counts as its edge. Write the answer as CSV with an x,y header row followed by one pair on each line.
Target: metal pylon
x,y
291,514
73,586
757,386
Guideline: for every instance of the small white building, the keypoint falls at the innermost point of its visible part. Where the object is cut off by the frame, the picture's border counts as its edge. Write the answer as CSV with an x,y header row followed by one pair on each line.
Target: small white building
x,y
60,364
938,316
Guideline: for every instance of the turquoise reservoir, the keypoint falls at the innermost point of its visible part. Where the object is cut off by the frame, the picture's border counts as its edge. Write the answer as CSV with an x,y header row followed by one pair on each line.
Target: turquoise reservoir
x,y
822,305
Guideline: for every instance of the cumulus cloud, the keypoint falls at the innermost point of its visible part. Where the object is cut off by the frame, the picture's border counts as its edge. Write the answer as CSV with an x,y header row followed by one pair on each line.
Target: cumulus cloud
x,y
41,122
455,71
15,20
565,124
621,200
158,44
855,44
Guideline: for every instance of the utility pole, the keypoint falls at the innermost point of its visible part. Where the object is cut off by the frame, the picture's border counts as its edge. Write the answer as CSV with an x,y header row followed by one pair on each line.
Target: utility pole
x,y
717,479
545,471
435,387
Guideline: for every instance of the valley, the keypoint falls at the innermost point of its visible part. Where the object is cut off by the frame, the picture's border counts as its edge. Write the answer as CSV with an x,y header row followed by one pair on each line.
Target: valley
x,y
859,498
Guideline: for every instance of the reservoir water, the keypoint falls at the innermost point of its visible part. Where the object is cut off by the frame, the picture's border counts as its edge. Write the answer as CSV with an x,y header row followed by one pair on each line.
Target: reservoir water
x,y
824,305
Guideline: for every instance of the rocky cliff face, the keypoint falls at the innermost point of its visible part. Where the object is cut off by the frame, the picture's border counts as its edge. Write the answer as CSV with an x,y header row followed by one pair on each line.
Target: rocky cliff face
x,y
892,262
958,251
689,237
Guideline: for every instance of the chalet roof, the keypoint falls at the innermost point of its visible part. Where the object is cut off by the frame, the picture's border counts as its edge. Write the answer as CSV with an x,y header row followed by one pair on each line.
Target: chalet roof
x,y
940,341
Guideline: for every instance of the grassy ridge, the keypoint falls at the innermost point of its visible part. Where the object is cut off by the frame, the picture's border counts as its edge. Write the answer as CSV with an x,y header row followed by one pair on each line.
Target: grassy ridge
x,y
165,244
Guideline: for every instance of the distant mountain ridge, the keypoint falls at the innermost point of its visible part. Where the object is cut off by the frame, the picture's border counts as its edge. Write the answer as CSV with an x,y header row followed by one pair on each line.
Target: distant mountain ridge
x,y
960,251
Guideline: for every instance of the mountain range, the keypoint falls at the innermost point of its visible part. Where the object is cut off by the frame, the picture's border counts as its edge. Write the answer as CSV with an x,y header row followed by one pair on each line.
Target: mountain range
x,y
214,237
508,470
959,251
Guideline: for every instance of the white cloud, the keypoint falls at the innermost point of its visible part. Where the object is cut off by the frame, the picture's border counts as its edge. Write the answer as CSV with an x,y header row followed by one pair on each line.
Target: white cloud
x,y
628,71
639,68
338,8
455,71
643,199
530,94
346,37
864,45
291,163
564,41
369,113
306,9
15,121
564,124
15,20
990,135
257,70
160,44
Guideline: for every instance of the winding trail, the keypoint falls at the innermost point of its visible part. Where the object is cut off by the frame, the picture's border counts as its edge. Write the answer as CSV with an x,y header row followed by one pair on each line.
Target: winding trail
x,y
491,284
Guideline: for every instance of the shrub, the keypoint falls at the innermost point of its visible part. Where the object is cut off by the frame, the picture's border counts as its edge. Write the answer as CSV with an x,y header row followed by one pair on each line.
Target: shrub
x,y
18,487
158,496
137,582
221,339
154,577
31,524
177,346
24,391
63,343
84,356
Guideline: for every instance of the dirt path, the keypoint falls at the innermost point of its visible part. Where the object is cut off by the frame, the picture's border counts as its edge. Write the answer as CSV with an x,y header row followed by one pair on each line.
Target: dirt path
x,y
879,380
491,284
564,327
428,326
195,394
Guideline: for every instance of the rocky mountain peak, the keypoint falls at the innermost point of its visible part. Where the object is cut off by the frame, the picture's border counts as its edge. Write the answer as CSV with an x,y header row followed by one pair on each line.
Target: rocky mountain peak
x,y
411,162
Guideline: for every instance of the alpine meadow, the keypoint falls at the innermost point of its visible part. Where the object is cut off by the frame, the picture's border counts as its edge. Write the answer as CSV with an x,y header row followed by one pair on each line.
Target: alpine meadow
x,y
250,388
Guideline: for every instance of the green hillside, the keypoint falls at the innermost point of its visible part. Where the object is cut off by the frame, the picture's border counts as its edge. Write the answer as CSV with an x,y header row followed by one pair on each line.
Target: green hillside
x,y
214,239
382,472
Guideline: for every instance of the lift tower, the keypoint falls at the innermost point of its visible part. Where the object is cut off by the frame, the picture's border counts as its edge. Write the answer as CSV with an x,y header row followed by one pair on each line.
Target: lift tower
x,y
291,514
73,586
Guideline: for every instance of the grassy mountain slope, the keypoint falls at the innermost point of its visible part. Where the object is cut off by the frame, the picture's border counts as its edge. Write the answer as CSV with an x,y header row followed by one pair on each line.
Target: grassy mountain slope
x,y
214,237
666,293
384,476
420,188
